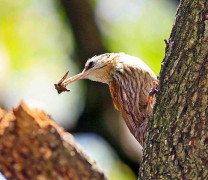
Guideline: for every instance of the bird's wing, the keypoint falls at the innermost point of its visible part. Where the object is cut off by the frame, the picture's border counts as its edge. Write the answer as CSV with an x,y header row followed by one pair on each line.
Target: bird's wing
x,y
129,90
113,90
119,100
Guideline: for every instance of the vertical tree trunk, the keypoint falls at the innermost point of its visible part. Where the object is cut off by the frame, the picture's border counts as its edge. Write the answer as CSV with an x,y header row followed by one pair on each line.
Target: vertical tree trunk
x,y
177,140
86,33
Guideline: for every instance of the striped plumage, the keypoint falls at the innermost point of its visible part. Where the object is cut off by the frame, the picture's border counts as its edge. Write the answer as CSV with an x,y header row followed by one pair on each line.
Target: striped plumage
x,y
130,81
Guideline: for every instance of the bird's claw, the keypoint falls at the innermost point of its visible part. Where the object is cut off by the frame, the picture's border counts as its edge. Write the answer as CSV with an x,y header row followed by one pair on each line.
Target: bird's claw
x,y
60,86
153,90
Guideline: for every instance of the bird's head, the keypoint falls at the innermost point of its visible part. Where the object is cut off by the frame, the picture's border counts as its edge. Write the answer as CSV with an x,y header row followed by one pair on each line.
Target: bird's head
x,y
97,68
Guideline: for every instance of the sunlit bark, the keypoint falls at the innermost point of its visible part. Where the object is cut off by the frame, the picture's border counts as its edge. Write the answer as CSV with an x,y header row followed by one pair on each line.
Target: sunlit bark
x,y
32,146
176,145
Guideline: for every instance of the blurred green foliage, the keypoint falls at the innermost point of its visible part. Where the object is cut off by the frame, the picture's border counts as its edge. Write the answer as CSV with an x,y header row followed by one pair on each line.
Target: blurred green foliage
x,y
141,35
32,31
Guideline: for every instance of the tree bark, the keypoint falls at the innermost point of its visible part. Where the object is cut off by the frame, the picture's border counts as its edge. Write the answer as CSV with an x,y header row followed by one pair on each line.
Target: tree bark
x,y
32,146
177,139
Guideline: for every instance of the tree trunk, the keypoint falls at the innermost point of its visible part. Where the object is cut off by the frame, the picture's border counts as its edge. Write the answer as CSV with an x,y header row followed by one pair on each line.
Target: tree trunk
x,y
86,33
177,140
32,146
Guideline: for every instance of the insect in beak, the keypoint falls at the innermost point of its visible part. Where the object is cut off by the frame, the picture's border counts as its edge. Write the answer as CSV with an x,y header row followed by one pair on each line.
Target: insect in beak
x,y
61,85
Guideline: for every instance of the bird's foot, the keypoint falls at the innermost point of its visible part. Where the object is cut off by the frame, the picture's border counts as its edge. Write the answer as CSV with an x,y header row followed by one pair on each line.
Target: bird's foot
x,y
60,86
153,91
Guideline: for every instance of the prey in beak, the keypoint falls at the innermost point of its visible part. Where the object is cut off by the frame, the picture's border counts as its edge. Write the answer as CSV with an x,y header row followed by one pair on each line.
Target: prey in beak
x,y
61,85
97,68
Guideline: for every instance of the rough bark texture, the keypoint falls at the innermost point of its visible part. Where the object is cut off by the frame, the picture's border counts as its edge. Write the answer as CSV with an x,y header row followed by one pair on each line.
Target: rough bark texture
x,y
177,140
32,146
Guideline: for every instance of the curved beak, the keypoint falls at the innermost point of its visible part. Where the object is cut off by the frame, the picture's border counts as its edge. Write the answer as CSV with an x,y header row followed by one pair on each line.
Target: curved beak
x,y
74,78
61,85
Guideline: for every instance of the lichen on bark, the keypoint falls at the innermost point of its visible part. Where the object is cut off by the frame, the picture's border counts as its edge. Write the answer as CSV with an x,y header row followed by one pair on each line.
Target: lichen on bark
x,y
177,139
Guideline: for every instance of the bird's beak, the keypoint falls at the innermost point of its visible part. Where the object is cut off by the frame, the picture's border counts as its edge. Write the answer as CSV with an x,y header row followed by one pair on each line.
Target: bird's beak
x,y
61,85
81,75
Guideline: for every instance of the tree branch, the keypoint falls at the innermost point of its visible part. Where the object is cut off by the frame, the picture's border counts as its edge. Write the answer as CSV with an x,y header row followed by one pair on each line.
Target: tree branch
x,y
33,146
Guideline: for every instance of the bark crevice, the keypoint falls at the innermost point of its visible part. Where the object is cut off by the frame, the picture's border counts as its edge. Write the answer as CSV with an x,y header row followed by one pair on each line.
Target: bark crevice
x,y
175,146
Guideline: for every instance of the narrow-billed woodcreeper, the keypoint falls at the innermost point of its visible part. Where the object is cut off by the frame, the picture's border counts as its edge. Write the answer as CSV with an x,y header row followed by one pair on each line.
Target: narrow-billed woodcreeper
x,y
130,81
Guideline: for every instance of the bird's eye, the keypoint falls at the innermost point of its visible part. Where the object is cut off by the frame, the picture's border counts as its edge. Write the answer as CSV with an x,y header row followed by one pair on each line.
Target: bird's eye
x,y
91,64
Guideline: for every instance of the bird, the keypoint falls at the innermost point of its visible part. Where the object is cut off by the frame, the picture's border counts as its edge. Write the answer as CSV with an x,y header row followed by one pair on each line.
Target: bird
x,y
130,81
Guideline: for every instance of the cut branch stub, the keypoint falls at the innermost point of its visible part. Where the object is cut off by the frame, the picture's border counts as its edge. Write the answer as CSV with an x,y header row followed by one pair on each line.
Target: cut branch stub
x,y
32,146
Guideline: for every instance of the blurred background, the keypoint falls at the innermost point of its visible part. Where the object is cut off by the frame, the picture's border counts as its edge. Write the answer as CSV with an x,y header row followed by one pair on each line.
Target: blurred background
x,y
41,40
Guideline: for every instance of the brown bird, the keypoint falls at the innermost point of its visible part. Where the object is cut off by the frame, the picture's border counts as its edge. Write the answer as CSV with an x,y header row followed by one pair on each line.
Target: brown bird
x,y
130,81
